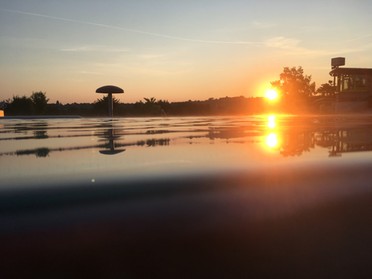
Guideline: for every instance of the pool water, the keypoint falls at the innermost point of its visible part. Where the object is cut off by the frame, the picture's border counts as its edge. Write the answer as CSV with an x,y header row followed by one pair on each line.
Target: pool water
x,y
98,150
190,197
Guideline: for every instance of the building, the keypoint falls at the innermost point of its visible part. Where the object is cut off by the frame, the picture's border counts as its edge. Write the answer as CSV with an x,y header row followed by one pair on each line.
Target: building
x,y
353,86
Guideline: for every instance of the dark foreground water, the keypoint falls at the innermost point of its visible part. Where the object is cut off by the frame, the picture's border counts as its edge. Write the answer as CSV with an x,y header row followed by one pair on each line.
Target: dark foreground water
x,y
187,197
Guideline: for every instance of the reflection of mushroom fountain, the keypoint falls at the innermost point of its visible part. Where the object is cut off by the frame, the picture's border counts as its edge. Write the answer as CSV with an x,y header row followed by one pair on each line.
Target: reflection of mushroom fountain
x,y
109,90
111,137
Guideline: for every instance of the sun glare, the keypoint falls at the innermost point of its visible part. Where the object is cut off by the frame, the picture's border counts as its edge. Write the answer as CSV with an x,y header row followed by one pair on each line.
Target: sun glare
x,y
271,121
272,140
272,94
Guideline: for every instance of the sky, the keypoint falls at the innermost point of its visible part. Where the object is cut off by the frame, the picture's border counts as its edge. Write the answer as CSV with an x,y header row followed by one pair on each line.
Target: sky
x,y
174,50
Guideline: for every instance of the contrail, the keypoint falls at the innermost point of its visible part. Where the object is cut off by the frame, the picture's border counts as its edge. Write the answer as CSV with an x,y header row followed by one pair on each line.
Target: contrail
x,y
165,36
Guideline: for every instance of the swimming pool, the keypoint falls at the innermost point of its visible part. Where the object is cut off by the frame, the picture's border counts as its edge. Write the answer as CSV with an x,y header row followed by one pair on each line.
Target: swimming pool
x,y
213,195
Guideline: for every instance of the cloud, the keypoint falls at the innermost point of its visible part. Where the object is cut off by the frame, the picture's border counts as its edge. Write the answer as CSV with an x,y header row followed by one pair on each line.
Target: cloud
x,y
283,43
76,49
94,48
262,25
83,72
150,56
136,31
292,46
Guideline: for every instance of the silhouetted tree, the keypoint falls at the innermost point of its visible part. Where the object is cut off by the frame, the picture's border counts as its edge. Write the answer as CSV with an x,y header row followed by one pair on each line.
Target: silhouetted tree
x,y
164,105
101,104
150,101
152,107
20,106
4,104
40,102
294,84
326,89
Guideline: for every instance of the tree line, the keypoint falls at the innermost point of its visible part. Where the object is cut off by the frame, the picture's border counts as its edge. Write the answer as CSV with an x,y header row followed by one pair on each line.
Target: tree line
x,y
296,89
146,107
36,104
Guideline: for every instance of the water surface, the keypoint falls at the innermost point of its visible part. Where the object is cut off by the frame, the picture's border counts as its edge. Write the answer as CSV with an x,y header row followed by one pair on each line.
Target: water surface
x,y
256,195
46,152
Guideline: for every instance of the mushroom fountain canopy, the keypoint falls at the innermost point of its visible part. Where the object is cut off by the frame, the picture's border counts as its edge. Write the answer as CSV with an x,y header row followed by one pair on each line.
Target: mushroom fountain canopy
x,y
107,89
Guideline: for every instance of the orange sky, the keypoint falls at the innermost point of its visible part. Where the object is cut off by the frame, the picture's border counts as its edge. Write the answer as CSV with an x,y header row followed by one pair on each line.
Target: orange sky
x,y
173,50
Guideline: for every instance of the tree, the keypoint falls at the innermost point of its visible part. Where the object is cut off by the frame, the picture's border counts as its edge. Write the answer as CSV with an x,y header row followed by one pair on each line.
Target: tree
x,y
326,89
20,106
150,106
101,104
40,102
150,101
164,105
294,84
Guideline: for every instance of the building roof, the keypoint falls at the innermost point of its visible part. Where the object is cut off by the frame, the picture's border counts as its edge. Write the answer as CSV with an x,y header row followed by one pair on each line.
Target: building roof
x,y
351,71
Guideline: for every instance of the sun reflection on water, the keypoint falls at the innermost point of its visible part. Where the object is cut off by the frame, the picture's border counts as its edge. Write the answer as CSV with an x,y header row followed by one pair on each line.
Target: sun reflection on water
x,y
271,121
272,139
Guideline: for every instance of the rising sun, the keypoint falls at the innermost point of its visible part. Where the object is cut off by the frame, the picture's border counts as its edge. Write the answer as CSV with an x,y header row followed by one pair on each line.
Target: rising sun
x,y
271,94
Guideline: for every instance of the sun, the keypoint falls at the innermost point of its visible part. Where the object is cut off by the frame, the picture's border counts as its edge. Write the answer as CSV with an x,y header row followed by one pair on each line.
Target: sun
x,y
271,94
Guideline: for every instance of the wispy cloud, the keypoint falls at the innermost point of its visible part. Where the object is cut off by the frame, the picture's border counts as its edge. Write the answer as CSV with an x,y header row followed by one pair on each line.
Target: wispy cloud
x,y
262,25
283,43
150,56
94,48
359,38
130,30
293,46
83,72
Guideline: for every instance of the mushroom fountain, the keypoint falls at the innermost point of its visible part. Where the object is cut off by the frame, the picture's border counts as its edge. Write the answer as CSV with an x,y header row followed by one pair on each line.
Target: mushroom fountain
x,y
109,90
